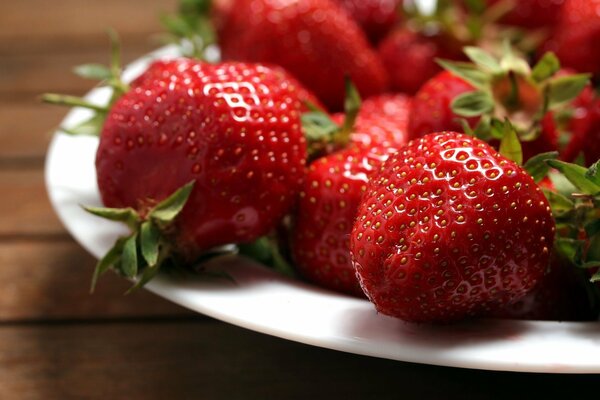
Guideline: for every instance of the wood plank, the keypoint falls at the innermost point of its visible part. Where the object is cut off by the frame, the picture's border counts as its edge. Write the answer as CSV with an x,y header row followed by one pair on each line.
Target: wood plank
x,y
26,129
38,26
211,360
25,206
44,280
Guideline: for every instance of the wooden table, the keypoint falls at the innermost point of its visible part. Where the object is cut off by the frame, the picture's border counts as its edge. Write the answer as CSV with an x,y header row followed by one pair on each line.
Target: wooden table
x,y
59,342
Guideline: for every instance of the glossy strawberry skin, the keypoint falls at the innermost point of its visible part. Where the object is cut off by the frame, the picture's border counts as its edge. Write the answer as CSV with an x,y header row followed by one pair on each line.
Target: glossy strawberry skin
x,y
449,229
326,210
577,35
432,110
381,121
376,17
409,58
315,40
585,129
233,128
533,14
559,296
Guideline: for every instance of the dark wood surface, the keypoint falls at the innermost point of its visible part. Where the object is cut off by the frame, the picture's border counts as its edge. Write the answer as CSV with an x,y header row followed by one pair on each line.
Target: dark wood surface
x,y
59,342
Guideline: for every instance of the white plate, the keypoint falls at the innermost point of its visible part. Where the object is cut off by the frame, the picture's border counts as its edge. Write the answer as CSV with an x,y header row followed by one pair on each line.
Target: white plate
x,y
266,302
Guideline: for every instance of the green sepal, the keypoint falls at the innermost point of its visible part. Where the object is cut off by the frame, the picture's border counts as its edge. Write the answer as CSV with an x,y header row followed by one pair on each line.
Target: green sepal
x,y
318,126
165,211
563,89
149,242
595,277
592,227
576,175
483,59
111,257
97,72
546,67
590,264
510,145
128,215
72,101
129,259
568,247
89,127
537,166
466,71
472,104
147,275
352,103
266,251
559,203
593,173
193,24
510,62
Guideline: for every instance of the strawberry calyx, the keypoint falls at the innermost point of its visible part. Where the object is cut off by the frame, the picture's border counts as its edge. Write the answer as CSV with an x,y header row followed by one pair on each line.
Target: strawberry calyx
x,y
191,28
148,247
575,202
322,133
507,87
109,76
266,251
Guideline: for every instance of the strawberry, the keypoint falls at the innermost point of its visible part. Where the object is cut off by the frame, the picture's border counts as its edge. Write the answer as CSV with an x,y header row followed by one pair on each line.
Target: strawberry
x,y
560,296
532,14
315,40
325,213
409,57
448,228
431,111
227,135
381,121
577,34
476,97
585,129
376,17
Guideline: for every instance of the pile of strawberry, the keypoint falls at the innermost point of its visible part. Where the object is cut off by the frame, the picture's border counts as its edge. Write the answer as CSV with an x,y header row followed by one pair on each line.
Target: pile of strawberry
x,y
441,163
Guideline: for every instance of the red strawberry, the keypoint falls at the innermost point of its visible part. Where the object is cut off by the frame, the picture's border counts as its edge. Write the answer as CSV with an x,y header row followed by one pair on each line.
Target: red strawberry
x,y
431,111
232,128
326,210
577,35
560,296
381,121
532,13
376,17
585,129
449,228
409,58
315,40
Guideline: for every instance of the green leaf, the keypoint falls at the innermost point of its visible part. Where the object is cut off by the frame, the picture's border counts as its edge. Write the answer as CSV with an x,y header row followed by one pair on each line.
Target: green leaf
x,y
93,71
559,203
129,260
318,126
89,127
568,247
537,167
563,89
593,173
576,175
591,264
595,277
352,103
510,146
592,227
149,242
547,66
466,71
126,215
111,257
483,59
169,208
472,104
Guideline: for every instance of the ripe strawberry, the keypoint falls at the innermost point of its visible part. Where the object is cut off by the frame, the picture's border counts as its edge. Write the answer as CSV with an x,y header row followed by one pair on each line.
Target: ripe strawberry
x,y
381,121
585,129
409,58
532,14
232,128
315,40
376,17
449,228
325,213
560,296
575,40
432,111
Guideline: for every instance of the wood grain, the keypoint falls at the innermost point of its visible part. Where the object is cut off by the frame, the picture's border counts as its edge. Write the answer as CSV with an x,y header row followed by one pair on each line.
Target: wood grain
x,y
50,280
